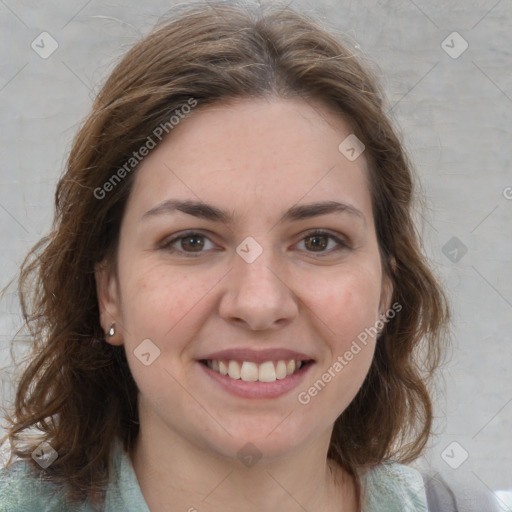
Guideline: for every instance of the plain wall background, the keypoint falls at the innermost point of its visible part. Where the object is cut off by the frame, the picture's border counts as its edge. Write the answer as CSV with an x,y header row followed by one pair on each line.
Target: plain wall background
x,y
455,114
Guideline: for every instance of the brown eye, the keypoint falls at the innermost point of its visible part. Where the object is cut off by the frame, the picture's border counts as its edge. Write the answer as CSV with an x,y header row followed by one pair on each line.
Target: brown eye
x,y
319,241
193,243
188,244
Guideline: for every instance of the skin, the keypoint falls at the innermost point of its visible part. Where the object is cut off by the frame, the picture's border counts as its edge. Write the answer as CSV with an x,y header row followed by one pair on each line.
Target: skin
x,y
256,158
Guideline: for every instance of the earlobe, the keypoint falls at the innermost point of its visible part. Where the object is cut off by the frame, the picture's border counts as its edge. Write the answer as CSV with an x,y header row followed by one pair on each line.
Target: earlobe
x,y
107,291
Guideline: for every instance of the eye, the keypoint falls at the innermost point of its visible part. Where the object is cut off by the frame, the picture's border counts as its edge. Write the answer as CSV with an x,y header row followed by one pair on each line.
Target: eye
x,y
191,244
319,240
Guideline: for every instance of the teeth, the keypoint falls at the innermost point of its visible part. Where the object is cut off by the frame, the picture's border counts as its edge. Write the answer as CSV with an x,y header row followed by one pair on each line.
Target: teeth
x,y
223,369
267,372
234,370
251,372
281,370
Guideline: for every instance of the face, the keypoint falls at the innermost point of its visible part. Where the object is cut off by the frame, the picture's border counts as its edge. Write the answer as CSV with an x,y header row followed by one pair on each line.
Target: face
x,y
258,283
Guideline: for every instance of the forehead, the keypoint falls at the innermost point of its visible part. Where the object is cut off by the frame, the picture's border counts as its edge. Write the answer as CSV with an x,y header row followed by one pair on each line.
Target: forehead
x,y
249,153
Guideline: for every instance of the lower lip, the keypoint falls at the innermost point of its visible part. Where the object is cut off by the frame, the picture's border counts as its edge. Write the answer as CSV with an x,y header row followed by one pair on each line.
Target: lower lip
x,y
257,389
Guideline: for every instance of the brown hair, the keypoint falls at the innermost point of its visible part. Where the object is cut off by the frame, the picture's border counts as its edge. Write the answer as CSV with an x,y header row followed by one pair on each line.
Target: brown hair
x,y
79,390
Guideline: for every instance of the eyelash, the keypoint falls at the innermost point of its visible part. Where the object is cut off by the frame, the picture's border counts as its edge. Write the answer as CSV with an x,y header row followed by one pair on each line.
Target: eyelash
x,y
310,234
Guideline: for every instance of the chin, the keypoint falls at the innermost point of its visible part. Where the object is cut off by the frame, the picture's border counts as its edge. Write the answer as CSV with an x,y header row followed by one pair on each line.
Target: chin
x,y
261,439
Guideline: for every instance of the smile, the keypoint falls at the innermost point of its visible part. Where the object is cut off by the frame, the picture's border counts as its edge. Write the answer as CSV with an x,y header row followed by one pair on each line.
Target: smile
x,y
249,371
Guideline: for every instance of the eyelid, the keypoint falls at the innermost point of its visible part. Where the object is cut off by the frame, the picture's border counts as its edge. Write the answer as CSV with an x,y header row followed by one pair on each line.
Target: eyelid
x,y
340,240
168,241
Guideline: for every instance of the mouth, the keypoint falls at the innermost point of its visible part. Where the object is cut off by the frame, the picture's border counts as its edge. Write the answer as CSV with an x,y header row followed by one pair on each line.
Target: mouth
x,y
250,371
263,380
255,374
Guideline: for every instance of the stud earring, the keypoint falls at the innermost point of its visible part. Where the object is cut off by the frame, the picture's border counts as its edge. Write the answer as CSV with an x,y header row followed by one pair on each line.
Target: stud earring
x,y
111,331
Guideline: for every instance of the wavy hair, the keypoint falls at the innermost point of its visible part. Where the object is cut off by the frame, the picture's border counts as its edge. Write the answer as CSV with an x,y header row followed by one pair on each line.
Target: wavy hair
x,y
76,389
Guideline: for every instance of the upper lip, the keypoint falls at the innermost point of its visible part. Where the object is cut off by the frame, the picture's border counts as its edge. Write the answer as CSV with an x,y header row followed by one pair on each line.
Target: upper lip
x,y
256,356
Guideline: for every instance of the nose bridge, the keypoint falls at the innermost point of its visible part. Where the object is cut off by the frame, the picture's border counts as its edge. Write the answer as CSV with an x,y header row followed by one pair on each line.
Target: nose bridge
x,y
261,273
256,292
257,269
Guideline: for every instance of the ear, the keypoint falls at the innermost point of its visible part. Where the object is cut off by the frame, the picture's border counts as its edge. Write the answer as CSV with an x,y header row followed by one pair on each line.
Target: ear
x,y
387,289
107,290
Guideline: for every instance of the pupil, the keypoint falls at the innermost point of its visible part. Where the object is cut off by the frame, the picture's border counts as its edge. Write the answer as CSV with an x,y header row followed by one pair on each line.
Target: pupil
x,y
322,245
190,240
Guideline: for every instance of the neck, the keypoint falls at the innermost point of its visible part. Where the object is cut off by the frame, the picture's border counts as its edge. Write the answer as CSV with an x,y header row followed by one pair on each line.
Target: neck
x,y
192,478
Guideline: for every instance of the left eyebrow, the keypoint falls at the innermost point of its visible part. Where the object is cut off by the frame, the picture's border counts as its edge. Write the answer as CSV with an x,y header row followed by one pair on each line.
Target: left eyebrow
x,y
295,213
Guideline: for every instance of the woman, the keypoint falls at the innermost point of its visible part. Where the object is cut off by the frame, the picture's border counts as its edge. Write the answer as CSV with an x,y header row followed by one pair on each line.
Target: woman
x,y
231,307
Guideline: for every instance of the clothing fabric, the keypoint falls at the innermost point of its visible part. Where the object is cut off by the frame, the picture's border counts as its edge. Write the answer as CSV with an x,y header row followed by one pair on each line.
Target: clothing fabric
x,y
448,493
389,487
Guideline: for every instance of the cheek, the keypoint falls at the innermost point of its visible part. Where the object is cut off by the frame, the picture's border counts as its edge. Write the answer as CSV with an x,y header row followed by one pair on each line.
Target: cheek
x,y
346,301
347,309
156,298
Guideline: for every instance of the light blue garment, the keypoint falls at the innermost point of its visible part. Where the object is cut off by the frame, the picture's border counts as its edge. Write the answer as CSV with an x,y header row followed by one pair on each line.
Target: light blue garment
x,y
388,488
393,487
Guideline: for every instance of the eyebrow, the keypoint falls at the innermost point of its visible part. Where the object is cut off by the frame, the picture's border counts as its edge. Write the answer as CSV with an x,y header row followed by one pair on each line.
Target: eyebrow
x,y
210,212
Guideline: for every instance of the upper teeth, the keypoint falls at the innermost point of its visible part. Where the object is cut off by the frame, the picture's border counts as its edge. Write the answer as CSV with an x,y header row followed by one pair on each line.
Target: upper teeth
x,y
251,372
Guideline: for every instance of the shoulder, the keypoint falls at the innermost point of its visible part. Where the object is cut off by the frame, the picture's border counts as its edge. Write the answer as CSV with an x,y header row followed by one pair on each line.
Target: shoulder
x,y
23,488
20,487
393,486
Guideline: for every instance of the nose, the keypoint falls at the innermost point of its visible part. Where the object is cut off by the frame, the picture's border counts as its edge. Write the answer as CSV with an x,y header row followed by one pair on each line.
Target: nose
x,y
257,295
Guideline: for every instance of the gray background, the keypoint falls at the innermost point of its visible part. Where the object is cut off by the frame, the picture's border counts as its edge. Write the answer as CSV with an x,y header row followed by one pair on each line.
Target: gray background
x,y
455,118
